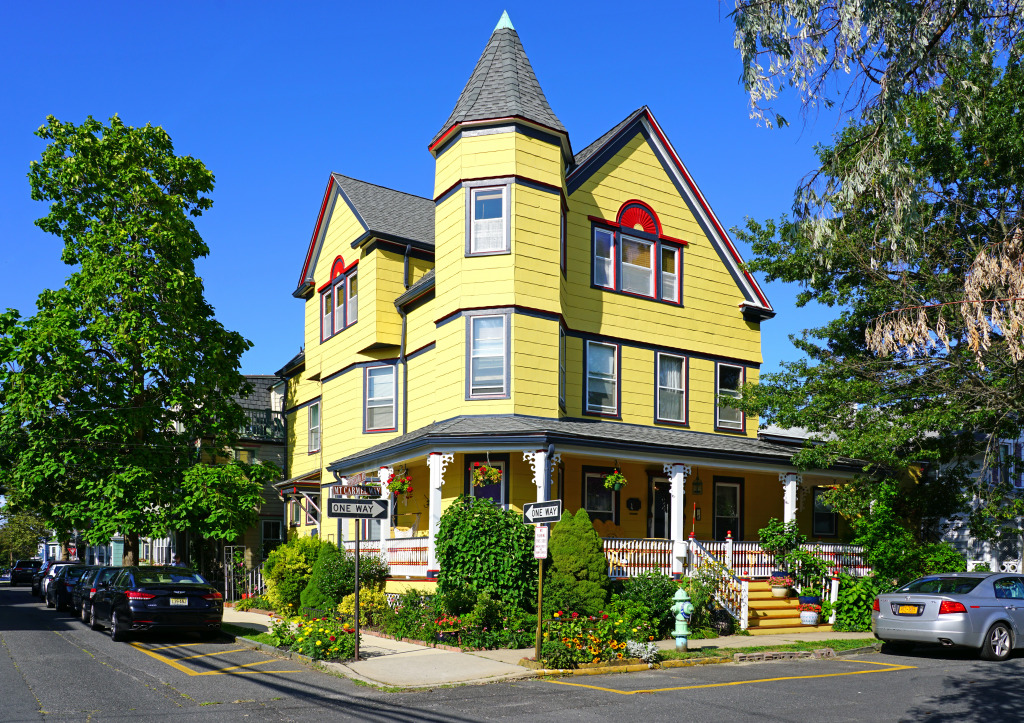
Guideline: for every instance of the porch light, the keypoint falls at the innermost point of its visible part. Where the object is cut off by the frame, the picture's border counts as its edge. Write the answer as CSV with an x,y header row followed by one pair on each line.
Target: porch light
x,y
698,486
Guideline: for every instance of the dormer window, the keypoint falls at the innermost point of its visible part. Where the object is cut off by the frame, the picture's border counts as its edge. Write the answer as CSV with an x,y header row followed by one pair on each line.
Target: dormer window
x,y
487,229
632,256
339,301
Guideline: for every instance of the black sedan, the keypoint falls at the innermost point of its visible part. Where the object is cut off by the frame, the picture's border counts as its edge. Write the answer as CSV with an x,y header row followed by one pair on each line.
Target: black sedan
x,y
81,596
60,589
157,598
23,571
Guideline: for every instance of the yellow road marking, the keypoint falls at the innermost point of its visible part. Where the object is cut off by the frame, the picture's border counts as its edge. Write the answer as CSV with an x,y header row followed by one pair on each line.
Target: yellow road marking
x,y
169,647
206,655
233,670
889,668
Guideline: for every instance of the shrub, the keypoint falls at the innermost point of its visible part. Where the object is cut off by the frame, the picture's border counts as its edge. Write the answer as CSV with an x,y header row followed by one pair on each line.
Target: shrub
x,y
576,639
373,605
579,572
485,549
853,606
652,591
324,639
255,602
413,617
334,577
287,571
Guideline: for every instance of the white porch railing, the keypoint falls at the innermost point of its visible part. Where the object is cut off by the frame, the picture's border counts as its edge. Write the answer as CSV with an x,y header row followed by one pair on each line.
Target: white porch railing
x,y
731,592
254,582
748,560
630,557
407,557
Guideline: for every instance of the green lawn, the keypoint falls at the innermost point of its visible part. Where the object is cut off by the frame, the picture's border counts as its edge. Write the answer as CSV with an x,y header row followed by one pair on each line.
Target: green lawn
x,y
710,652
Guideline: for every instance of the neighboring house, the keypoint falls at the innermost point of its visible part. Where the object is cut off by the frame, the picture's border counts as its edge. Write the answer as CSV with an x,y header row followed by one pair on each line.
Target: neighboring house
x,y
554,314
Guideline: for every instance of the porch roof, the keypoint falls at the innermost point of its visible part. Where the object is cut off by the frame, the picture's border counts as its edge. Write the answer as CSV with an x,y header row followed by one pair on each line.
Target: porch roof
x,y
538,432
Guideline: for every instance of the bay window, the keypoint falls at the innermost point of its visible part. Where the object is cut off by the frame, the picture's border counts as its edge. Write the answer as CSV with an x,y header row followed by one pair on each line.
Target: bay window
x,y
339,304
637,263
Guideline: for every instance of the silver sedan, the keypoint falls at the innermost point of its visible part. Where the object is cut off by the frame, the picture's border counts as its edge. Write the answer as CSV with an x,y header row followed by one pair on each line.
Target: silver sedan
x,y
976,610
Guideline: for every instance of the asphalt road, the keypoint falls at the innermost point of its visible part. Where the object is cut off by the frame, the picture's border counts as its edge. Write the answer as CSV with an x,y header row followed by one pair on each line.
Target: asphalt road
x,y
53,667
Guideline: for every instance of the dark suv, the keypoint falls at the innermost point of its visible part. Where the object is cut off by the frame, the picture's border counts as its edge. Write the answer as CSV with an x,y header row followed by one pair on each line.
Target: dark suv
x,y
23,570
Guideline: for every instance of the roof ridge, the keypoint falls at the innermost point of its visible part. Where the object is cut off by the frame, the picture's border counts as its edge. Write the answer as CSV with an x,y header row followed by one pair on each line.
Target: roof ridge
x,y
377,185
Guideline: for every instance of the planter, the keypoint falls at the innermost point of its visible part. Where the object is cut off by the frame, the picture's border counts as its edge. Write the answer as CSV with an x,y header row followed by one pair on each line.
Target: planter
x,y
810,599
780,591
617,486
448,637
808,618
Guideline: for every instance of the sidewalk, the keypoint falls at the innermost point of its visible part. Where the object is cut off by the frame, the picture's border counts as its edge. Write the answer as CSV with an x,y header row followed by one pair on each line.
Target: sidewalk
x,y
396,664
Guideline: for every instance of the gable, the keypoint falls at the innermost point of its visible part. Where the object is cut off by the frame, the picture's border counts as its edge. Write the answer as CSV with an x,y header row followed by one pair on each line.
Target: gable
x,y
640,135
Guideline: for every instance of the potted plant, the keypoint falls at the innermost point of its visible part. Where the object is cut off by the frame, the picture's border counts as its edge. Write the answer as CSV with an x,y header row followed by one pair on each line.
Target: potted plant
x,y
809,613
810,596
615,480
448,628
780,585
401,484
484,474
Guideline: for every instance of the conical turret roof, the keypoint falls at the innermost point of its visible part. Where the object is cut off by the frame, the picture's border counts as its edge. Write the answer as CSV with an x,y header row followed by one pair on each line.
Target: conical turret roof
x,y
502,84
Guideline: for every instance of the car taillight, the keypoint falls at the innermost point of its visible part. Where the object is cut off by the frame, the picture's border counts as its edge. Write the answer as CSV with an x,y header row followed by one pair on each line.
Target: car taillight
x,y
135,595
951,606
874,606
213,596
92,591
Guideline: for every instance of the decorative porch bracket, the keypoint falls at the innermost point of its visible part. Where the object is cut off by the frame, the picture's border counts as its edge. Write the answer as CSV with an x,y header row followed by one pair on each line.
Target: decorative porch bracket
x,y
436,463
790,481
677,474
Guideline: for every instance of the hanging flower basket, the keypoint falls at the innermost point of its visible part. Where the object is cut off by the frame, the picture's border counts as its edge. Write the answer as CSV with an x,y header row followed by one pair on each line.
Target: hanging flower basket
x,y
615,480
401,485
483,474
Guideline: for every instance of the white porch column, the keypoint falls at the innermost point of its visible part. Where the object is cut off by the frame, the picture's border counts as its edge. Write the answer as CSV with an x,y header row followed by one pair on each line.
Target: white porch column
x,y
541,472
677,474
789,481
385,474
436,463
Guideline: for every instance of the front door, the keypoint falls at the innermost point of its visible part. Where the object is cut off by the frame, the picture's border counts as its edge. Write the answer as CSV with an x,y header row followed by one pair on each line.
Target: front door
x,y
727,512
660,508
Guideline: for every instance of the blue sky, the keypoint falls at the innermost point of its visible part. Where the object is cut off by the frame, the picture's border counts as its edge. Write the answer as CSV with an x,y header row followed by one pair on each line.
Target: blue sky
x,y
273,98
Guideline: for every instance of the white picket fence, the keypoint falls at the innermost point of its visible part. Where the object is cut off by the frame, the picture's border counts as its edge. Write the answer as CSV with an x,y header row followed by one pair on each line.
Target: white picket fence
x,y
630,557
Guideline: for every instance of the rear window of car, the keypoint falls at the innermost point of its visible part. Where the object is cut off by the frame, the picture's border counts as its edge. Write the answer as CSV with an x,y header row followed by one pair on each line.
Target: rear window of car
x,y
74,573
28,563
939,585
167,575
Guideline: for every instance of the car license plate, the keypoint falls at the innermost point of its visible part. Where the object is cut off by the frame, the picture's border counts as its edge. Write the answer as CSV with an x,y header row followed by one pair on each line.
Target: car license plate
x,y
908,610
179,601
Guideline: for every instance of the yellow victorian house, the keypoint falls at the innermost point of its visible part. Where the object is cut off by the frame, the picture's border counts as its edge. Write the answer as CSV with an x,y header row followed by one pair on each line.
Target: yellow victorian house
x,y
549,314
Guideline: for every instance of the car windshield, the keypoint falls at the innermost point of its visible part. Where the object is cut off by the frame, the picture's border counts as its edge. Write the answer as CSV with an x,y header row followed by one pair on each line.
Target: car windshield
x,y
168,575
939,585
74,573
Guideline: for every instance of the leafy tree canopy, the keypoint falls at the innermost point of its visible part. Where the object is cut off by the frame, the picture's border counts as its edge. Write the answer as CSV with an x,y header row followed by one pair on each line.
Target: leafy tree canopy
x,y
20,535
108,387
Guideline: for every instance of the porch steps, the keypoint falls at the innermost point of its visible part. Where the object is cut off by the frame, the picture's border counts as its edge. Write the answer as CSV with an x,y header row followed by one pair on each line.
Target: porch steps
x,y
775,616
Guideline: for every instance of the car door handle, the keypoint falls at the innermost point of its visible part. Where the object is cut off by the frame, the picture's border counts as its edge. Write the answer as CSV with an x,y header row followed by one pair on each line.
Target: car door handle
x,y
1010,607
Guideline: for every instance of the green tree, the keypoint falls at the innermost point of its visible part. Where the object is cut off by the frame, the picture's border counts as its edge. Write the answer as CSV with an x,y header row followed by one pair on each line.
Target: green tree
x,y
578,580
916,406
107,388
482,548
20,535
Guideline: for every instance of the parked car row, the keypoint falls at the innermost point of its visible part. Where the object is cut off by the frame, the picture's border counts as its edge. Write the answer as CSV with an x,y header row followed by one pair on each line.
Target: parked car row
x,y
132,599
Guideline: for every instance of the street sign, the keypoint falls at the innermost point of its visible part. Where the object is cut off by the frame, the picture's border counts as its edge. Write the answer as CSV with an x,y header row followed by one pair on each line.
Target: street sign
x,y
536,513
540,542
349,490
359,509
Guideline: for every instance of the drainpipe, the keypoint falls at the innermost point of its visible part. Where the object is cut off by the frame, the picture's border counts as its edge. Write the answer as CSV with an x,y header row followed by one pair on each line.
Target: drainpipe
x,y
401,350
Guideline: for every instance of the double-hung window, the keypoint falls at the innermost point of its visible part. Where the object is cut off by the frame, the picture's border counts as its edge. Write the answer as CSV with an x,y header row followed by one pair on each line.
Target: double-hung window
x,y
339,304
351,299
730,379
824,523
488,222
314,427
602,395
600,502
639,264
488,356
671,402
380,399
327,306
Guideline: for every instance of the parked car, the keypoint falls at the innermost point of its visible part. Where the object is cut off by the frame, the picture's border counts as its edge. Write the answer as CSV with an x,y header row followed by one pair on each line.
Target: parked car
x,y
23,570
58,594
5,574
39,574
157,597
976,610
47,578
81,595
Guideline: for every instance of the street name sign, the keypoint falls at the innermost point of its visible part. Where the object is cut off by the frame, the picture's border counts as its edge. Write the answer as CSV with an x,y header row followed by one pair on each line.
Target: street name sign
x,y
540,542
359,509
536,513
349,490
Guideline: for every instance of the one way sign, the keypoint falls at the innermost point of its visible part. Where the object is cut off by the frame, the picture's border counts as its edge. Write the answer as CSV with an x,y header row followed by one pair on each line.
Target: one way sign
x,y
361,509
535,513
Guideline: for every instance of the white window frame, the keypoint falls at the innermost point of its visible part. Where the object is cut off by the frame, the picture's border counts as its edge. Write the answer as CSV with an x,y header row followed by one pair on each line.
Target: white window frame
x,y
471,354
327,314
677,255
471,249
313,435
604,411
380,402
351,300
654,249
659,387
561,365
732,394
605,261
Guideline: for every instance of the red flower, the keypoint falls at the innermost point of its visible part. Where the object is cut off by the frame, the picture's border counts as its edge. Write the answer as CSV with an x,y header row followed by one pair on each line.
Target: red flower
x,y
575,615
476,464
332,638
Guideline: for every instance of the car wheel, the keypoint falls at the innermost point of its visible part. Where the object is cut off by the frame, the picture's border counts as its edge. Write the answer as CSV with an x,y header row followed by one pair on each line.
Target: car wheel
x,y
116,633
48,603
93,623
998,643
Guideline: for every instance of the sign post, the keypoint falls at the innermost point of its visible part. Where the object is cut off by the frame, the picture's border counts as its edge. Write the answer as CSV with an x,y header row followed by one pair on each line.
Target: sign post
x,y
358,510
539,514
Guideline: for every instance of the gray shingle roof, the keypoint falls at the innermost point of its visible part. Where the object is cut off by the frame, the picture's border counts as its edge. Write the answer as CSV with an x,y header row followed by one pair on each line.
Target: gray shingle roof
x,y
260,396
502,84
594,147
299,358
425,282
609,434
390,212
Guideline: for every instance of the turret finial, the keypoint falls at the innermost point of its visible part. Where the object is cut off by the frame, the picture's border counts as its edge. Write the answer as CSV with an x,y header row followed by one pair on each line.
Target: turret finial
x,y
504,22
